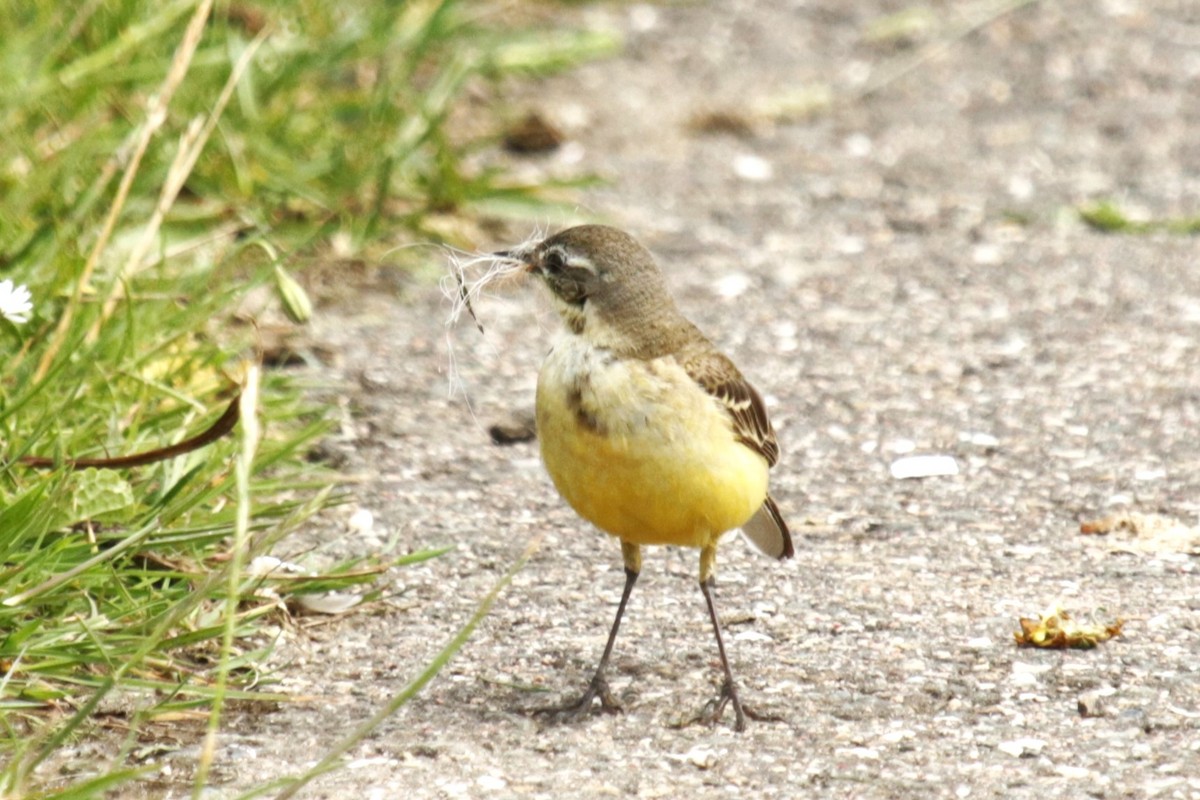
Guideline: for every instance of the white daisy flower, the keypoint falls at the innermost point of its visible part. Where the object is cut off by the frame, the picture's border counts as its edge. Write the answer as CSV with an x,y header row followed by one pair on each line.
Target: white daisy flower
x,y
15,302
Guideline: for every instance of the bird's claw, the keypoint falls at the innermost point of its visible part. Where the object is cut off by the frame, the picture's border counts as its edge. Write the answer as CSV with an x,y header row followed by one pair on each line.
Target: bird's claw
x,y
569,712
715,708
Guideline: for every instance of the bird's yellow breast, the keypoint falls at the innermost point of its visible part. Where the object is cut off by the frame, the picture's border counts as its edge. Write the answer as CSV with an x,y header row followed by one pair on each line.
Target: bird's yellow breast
x,y
640,450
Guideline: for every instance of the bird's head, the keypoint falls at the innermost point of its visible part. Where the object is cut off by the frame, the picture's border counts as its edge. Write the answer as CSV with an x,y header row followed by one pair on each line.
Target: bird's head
x,y
604,285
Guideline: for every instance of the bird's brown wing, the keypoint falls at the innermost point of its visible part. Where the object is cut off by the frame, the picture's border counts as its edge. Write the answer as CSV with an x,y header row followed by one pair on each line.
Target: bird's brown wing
x,y
718,376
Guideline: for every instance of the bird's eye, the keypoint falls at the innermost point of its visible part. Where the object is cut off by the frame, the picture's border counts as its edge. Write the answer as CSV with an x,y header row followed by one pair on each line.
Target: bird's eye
x,y
553,261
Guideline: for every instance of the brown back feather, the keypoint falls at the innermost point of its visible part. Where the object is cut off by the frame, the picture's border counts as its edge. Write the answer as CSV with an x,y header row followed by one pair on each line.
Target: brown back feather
x,y
718,376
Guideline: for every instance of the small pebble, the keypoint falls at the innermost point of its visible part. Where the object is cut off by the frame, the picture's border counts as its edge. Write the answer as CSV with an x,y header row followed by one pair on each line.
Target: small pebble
x,y
1090,704
1025,746
752,168
923,467
732,285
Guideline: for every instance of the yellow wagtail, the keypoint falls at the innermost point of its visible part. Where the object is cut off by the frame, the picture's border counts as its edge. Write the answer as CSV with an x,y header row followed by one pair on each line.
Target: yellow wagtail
x,y
646,429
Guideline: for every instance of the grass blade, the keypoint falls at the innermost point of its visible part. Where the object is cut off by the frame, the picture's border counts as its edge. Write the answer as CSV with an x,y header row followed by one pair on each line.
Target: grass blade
x,y
331,759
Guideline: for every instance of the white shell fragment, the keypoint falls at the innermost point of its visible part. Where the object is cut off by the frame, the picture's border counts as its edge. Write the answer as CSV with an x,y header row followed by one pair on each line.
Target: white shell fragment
x,y
328,603
923,467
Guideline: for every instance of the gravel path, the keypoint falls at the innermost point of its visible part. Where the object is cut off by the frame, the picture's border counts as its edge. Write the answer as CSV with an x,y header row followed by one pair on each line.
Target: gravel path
x,y
900,273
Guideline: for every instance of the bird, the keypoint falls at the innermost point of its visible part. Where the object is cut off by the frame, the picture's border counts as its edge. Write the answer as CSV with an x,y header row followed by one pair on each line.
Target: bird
x,y
646,429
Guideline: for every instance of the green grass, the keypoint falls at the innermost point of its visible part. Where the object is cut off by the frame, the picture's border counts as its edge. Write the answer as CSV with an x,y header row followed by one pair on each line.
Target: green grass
x,y
157,162
1107,217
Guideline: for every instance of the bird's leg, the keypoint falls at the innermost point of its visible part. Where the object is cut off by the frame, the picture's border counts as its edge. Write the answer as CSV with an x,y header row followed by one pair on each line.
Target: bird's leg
x,y
598,687
708,557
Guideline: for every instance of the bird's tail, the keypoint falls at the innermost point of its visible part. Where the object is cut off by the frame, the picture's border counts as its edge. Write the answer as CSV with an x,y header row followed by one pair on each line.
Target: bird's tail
x,y
767,531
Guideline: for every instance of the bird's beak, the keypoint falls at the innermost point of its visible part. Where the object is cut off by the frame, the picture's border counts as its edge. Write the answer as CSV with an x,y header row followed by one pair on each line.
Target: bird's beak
x,y
521,254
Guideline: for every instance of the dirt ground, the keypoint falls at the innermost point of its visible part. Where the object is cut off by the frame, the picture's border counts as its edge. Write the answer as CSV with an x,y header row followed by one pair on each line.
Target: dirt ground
x,y
902,272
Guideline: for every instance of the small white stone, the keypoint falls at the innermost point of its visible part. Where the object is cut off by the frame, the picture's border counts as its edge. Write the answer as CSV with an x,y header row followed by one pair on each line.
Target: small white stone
x,y
1020,187
1073,773
261,565
1158,621
456,789
491,783
1020,679
1026,745
699,756
858,145
265,565
857,752
750,167
849,245
361,521
328,603
895,737
923,467
978,438
986,254
784,329
732,285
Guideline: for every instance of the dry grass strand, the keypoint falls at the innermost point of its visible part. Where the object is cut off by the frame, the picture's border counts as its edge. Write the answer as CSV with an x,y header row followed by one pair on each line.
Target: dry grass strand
x,y
472,273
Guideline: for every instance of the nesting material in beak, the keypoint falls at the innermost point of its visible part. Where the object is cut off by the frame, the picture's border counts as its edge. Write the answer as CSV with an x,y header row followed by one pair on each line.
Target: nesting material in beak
x,y
471,273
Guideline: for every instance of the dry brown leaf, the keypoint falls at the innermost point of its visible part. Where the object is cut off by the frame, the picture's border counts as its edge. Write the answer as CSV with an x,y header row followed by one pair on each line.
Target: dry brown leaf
x,y
1058,630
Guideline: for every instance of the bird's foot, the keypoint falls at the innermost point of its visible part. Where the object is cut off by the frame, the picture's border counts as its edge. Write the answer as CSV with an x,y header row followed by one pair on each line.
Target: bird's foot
x,y
569,712
715,708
